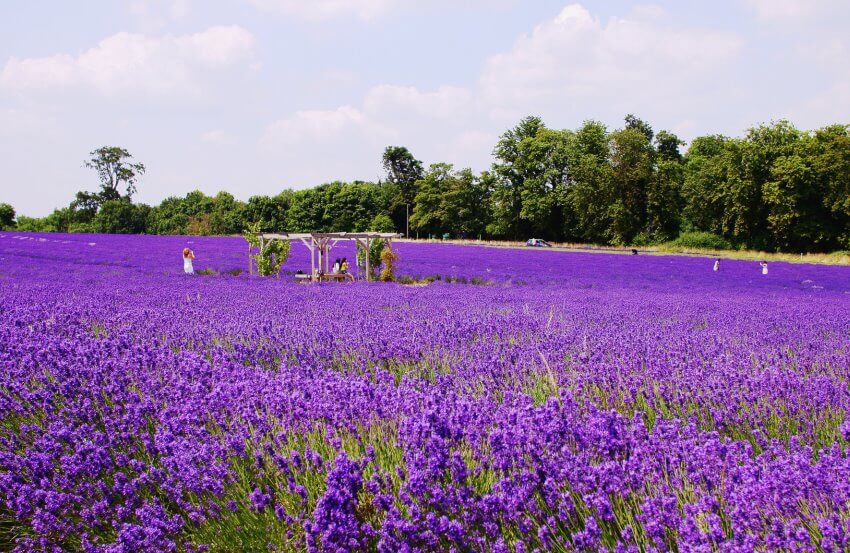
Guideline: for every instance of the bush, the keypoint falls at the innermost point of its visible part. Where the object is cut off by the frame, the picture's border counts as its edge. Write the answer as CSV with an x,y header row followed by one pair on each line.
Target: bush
x,y
119,217
89,227
701,241
382,223
388,259
7,217
376,246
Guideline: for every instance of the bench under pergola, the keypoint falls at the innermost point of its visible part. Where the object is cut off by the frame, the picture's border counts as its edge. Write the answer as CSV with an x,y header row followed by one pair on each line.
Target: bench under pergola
x,y
321,243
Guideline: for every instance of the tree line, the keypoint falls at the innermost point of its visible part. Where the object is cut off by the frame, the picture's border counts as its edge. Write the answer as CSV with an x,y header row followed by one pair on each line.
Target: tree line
x,y
777,188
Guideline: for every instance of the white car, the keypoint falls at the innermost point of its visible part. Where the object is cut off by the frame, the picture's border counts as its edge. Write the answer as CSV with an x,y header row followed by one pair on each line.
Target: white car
x,y
537,243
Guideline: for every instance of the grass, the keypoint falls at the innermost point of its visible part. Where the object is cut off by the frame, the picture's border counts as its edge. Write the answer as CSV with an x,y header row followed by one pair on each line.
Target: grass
x,y
213,272
834,258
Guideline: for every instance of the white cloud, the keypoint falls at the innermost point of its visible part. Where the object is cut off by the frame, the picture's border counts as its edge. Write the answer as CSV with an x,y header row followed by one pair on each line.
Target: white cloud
x,y
315,146
155,14
322,127
445,102
131,63
216,136
327,9
793,10
574,64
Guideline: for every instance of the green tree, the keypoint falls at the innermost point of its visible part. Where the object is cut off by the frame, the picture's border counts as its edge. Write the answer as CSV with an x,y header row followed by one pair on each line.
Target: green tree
x,y
428,214
632,160
591,192
664,190
747,212
637,124
120,217
85,206
514,167
830,160
704,188
7,216
381,223
269,211
465,206
227,215
403,172
306,211
115,171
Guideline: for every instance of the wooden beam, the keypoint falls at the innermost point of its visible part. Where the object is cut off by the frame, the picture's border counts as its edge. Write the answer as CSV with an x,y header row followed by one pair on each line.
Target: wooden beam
x,y
368,271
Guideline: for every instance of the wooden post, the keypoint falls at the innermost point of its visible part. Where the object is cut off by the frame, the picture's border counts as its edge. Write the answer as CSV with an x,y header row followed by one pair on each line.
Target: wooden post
x,y
312,260
262,247
368,252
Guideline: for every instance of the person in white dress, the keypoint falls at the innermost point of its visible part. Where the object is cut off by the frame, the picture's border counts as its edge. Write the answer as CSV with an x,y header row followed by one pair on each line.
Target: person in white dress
x,y
716,265
764,267
188,256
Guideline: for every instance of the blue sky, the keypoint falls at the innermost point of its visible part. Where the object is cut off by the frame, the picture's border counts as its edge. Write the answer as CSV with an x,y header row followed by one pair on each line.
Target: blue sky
x,y
253,96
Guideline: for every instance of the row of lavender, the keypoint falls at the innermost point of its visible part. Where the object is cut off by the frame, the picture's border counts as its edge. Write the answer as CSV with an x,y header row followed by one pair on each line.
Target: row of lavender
x,y
581,401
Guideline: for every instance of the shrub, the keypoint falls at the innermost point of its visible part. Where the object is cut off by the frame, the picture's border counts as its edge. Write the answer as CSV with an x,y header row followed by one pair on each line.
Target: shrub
x,y
376,246
701,240
271,256
7,217
382,223
388,259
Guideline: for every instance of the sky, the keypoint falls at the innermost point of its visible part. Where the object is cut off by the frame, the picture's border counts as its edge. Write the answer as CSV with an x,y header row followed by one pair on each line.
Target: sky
x,y
255,96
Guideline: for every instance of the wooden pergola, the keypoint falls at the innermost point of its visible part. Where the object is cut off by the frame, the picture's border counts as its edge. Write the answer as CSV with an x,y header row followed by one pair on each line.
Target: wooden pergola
x,y
321,243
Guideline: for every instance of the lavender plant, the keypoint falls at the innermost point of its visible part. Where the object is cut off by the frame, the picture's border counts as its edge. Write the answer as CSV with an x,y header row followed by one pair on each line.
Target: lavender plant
x,y
580,402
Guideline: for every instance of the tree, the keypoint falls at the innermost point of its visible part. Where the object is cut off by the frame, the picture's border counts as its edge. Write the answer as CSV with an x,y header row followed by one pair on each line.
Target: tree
x,y
635,123
632,160
381,223
428,210
269,256
663,193
269,211
591,192
514,168
115,171
705,183
120,217
85,206
7,216
227,215
465,206
667,146
305,212
403,172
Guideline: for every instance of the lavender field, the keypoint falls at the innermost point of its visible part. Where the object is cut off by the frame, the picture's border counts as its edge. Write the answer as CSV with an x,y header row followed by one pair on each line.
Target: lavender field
x,y
564,402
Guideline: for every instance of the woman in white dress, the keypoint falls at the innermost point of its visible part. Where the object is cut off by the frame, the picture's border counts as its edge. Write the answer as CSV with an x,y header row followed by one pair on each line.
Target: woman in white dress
x,y
716,265
188,256
764,267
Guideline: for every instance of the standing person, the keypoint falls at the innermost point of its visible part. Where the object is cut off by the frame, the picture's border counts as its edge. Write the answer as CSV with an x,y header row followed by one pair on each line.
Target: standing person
x,y
763,267
188,256
716,265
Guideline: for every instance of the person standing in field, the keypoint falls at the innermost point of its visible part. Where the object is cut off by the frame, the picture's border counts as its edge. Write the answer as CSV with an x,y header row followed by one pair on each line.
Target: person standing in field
x,y
763,267
716,265
188,256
